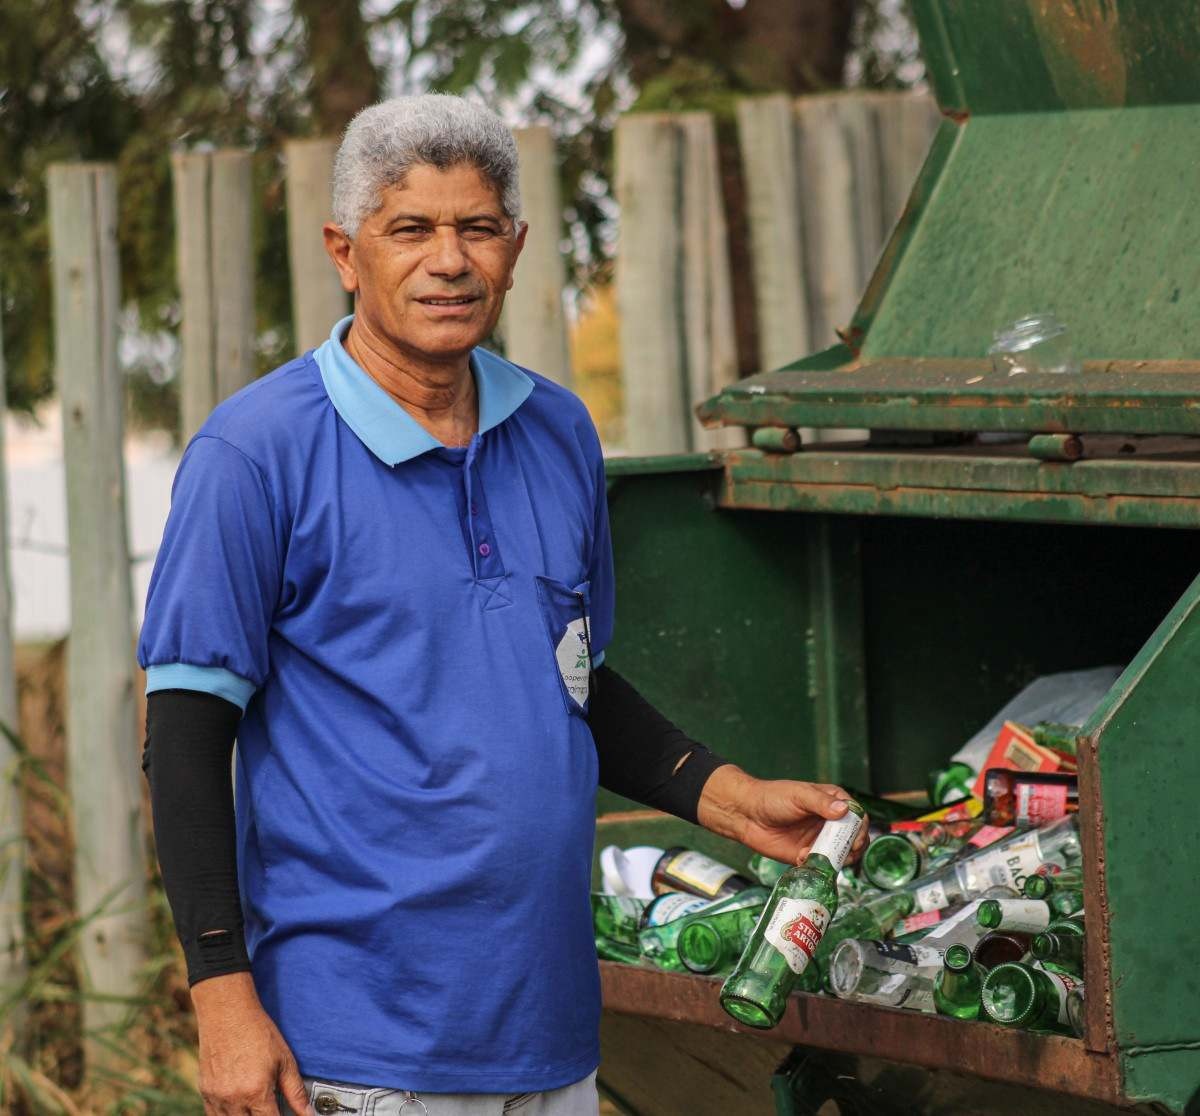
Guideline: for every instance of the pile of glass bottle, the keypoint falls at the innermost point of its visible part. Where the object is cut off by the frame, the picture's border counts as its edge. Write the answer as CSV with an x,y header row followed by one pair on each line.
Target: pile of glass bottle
x,y
959,912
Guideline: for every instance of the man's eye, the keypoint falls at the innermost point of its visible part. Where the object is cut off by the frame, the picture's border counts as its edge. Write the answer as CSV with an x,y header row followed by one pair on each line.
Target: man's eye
x,y
479,232
410,232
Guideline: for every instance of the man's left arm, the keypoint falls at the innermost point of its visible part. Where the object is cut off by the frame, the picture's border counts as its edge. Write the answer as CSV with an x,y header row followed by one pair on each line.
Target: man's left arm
x,y
644,756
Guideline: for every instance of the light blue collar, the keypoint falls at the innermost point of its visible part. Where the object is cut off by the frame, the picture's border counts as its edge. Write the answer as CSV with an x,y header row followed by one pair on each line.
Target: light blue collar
x,y
386,428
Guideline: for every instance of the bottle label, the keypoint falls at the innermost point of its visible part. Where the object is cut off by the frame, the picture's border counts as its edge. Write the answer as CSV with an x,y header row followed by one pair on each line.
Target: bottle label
x,y
837,838
989,835
1040,803
795,930
931,896
897,957
698,871
1004,865
1064,984
1030,915
920,921
670,907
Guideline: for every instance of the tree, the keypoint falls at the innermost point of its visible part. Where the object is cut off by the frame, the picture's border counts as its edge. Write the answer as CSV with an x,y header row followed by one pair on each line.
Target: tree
x,y
218,72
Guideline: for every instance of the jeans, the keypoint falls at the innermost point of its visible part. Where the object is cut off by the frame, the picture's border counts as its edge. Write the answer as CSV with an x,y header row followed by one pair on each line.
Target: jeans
x,y
339,1098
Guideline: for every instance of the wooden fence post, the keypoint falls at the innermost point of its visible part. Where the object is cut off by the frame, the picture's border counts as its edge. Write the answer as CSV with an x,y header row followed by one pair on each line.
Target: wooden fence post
x,y
710,342
767,135
103,749
648,147
905,123
12,838
534,324
317,296
831,237
216,279
674,299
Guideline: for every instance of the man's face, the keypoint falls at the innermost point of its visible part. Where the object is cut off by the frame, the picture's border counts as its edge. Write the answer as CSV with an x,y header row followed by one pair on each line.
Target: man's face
x,y
431,266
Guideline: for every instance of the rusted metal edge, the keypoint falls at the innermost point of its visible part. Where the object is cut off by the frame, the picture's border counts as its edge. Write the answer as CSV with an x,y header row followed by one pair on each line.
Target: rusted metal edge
x,y
1099,1032
1050,1062
882,468
961,503
908,410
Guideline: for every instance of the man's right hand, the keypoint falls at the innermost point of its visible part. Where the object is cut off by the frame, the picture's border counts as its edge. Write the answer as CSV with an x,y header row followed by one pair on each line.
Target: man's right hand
x,y
243,1057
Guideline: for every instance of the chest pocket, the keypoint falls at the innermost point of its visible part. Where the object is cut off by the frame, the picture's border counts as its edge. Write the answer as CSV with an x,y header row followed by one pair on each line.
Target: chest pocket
x,y
566,614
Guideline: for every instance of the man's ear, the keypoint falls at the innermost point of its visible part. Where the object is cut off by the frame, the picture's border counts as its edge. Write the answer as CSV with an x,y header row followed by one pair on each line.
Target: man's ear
x,y
340,249
519,240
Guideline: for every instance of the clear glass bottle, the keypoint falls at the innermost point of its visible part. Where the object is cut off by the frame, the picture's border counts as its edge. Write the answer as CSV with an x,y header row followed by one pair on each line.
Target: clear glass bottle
x,y
1035,343
1004,863
887,973
800,909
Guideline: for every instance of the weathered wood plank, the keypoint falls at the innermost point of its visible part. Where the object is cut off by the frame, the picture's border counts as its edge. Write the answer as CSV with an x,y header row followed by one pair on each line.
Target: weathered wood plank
x,y
317,296
215,264
648,152
534,323
110,867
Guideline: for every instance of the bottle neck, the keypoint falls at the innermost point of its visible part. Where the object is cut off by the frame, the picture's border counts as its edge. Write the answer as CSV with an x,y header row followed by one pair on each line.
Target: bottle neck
x,y
818,862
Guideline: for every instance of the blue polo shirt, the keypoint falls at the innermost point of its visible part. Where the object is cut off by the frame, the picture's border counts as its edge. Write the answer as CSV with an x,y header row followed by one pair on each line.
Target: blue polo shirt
x,y
407,627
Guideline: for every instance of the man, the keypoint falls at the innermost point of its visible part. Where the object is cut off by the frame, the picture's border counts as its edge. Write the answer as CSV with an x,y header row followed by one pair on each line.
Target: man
x,y
387,571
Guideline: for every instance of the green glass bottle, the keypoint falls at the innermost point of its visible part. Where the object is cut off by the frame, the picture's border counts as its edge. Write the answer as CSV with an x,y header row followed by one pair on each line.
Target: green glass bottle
x,y
950,783
1017,995
1062,888
891,861
959,986
663,921
617,917
1060,737
766,870
1061,952
787,936
609,950
1030,915
1072,925
712,943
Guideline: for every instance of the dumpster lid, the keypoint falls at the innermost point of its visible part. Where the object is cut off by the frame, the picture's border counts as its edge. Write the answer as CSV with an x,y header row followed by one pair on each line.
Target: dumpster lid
x,y
1060,180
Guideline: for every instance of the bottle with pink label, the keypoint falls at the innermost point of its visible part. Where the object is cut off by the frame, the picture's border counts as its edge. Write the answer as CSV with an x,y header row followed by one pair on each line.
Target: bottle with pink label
x,y
800,908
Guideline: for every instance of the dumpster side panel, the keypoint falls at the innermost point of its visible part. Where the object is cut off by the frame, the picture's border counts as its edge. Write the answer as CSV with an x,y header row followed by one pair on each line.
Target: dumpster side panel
x,y
717,626
1017,223
1031,55
1146,745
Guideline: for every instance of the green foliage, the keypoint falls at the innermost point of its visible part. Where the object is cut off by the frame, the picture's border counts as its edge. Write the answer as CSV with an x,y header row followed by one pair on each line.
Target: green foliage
x,y
213,73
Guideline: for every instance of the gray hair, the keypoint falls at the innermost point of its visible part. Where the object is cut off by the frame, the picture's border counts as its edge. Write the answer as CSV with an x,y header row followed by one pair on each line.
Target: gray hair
x,y
385,141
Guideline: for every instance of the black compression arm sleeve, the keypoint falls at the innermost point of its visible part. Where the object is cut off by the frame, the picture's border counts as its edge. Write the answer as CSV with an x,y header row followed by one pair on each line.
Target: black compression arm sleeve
x,y
189,745
643,755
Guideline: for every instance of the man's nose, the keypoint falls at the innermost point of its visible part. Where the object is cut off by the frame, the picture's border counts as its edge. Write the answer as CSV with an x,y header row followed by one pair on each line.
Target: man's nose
x,y
446,256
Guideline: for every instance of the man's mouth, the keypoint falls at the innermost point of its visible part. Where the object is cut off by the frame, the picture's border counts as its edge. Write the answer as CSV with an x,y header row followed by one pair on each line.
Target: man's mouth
x,y
448,300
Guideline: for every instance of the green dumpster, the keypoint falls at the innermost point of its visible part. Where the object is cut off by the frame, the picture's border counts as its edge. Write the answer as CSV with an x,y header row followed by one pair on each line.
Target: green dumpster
x,y
854,612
